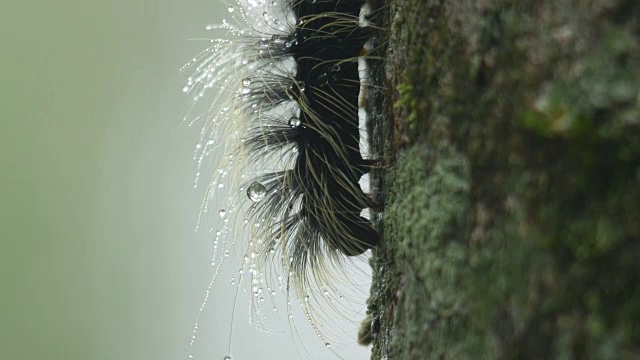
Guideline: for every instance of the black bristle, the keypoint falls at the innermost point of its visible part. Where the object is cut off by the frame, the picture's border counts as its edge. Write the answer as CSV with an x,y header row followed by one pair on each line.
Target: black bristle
x,y
324,44
298,108
290,132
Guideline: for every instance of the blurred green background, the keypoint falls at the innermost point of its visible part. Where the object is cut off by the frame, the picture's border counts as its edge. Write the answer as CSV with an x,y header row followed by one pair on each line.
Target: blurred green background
x,y
99,256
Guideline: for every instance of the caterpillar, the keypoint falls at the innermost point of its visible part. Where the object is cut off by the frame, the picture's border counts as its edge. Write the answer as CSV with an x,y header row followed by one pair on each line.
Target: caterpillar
x,y
288,78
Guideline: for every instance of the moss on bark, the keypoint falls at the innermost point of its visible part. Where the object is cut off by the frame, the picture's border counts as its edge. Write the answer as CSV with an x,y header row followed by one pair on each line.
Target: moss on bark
x,y
512,223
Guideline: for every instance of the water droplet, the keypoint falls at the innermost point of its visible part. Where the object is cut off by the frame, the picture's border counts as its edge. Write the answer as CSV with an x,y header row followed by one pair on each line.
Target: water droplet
x,y
323,79
256,191
327,345
246,81
245,90
278,39
231,9
291,41
294,122
296,89
334,68
222,213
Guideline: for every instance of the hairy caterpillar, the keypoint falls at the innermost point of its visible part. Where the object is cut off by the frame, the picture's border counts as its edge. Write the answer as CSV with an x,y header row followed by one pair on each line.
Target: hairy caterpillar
x,y
288,127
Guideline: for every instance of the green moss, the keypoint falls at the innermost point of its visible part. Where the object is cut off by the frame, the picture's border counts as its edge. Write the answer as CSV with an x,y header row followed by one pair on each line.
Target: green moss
x,y
427,226
408,102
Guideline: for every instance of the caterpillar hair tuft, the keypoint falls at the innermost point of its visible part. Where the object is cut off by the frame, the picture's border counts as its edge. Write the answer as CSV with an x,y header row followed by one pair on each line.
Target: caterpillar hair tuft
x,y
286,80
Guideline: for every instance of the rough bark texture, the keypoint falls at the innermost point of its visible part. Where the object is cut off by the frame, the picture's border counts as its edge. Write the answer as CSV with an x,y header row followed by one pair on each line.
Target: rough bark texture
x,y
512,221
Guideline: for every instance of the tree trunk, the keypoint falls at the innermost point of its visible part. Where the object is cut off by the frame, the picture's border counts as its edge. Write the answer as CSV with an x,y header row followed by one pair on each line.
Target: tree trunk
x,y
511,131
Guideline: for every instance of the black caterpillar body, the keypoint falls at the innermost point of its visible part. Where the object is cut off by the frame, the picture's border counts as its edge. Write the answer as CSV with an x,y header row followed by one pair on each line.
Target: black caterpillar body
x,y
316,202
296,106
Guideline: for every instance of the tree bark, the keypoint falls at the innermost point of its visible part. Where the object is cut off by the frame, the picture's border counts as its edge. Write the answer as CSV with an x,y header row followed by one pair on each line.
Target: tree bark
x,y
511,130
